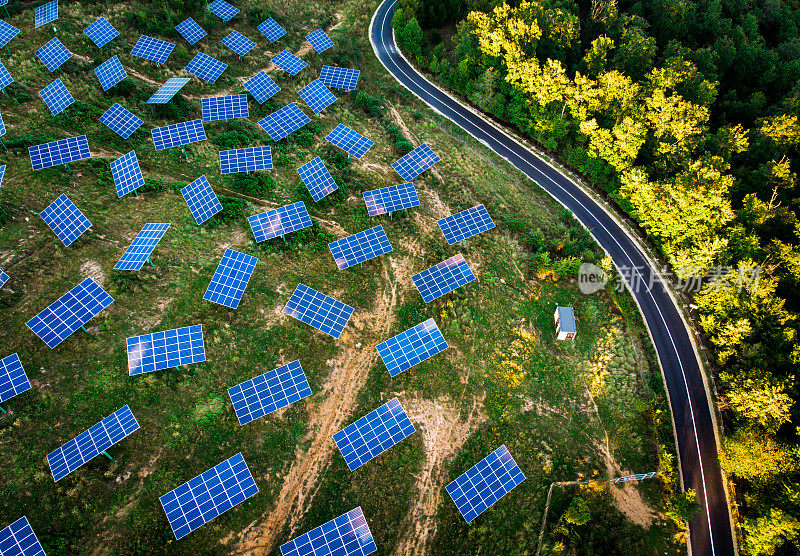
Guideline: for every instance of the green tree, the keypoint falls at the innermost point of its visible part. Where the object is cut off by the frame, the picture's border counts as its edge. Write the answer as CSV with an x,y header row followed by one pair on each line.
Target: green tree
x,y
578,512
751,455
764,535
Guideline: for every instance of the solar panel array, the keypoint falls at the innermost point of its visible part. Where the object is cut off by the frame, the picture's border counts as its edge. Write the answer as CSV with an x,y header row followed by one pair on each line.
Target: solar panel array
x,y
206,67
175,135
237,42
65,219
349,141
110,72
127,174
91,442
261,86
230,279
317,96
443,278
289,62
101,32
485,483
339,78
245,160
417,161
46,13
224,108
319,40
317,179
5,77
282,122
165,350
390,199
271,29
53,54
168,90
346,535
18,539
121,121
465,224
13,380
279,221
318,310
143,244
221,8
7,32
190,30
152,49
3,276
58,152
413,346
201,199
275,389
214,492
360,247
373,434
56,97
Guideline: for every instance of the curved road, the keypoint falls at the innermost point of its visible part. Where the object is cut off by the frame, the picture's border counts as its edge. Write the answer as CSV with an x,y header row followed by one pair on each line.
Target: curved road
x,y
710,530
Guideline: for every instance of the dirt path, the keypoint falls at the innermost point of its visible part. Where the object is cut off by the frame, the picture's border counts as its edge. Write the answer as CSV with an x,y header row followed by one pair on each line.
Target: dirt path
x,y
407,132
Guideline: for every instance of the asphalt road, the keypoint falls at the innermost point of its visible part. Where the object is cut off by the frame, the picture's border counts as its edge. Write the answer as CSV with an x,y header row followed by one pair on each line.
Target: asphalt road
x,y
710,530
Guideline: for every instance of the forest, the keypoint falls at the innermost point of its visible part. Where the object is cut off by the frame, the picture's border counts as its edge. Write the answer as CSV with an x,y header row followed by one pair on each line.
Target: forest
x,y
685,113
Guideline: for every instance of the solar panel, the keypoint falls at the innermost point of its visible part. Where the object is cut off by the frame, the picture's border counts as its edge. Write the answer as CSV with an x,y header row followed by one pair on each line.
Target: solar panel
x,y
7,32
168,90
5,77
206,67
413,346
175,135
416,162
18,539
319,40
165,350
46,13
201,199
360,247
101,32
245,160
53,54
317,96
373,434
269,392
110,72
317,179
143,244
91,442
390,199
230,279
318,310
485,483
56,97
339,78
282,122
346,535
190,30
289,62
443,278
271,29
121,121
225,11
3,276
13,380
349,141
127,174
65,219
152,49
261,86
279,221
224,108
58,152
237,42
465,224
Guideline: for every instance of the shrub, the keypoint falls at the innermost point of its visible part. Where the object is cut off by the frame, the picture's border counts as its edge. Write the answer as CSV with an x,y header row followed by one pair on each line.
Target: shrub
x,y
233,208
374,106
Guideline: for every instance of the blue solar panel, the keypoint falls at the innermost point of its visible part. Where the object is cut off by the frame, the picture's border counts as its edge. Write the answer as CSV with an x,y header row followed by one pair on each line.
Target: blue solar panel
x,y
91,442
58,152
212,493
56,97
416,162
443,278
289,62
346,535
143,244
485,483
282,122
65,219
230,279
101,32
349,141
318,310
261,86
3,276
201,199
245,160
279,221
46,13
269,392
413,346
206,67
390,199
152,49
168,90
13,380
18,539
127,174
373,434
319,40
465,224
165,350
237,42
317,179
317,96
110,72
2,132
225,11
224,108
53,54
360,247
271,29
121,121
339,78
5,77
175,135
190,30
7,32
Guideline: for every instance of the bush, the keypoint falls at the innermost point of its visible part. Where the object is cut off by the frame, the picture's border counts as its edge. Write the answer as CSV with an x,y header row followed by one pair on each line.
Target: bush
x,y
256,185
374,106
22,142
233,208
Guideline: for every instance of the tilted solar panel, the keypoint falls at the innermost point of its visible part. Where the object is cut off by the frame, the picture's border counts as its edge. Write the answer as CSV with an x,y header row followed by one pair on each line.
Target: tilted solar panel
x,y
5,77
143,244
465,224
91,442
206,67
360,247
18,539
346,535
127,174
485,483
56,97
46,13
110,72
53,54
245,160
373,434
413,346
317,179
417,161
279,221
319,40
58,152
2,132
168,90
289,62
212,493
175,135
350,141
190,30
390,199
317,96
261,86
13,380
275,389
224,10
339,78
65,219
121,121
443,278
101,32
152,49
237,42
7,32
230,279
282,122
201,199
318,310
271,29
224,108
3,276
165,350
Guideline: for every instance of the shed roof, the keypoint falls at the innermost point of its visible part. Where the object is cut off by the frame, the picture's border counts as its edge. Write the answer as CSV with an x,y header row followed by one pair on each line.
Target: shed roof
x,y
566,317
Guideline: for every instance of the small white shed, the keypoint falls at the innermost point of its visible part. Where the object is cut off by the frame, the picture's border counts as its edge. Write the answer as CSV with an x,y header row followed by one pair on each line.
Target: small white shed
x,y
565,323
